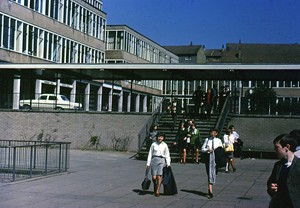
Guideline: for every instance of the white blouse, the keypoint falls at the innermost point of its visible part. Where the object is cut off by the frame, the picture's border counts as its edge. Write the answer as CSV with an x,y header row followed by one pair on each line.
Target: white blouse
x,y
209,143
161,150
228,139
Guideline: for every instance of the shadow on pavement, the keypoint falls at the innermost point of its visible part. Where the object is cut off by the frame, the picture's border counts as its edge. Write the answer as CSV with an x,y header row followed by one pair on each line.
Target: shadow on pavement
x,y
200,193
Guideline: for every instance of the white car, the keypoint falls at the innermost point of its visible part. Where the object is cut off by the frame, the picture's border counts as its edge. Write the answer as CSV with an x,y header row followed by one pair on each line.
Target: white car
x,y
50,101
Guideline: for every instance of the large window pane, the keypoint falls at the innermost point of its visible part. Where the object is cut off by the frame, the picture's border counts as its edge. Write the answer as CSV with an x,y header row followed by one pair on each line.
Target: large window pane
x,y
12,34
6,32
25,41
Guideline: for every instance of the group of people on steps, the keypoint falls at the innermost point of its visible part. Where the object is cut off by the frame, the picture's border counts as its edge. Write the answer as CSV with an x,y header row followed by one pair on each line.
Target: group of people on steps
x,y
188,141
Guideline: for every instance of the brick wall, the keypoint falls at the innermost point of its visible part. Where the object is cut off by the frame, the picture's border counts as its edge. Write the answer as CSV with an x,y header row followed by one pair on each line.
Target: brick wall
x,y
256,132
77,128
259,132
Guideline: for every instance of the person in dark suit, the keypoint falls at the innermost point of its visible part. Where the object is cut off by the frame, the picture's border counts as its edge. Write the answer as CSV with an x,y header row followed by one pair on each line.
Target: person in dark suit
x,y
283,184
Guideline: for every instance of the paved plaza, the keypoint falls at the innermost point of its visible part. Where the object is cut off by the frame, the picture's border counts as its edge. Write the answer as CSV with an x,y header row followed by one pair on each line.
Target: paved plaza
x,y
113,179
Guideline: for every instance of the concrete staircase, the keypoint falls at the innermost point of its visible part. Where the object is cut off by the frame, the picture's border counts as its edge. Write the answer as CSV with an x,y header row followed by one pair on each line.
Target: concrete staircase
x,y
165,125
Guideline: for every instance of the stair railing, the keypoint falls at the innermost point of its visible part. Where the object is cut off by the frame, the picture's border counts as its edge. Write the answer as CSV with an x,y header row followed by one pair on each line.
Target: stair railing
x,y
154,119
223,115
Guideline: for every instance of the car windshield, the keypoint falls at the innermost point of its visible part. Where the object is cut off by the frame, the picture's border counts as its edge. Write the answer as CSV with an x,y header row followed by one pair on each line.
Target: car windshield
x,y
64,98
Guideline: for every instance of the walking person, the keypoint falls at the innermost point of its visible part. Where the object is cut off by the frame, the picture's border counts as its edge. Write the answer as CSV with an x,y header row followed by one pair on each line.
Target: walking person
x,y
237,142
296,135
195,143
152,136
209,146
283,184
158,158
181,142
208,103
174,112
228,139
197,99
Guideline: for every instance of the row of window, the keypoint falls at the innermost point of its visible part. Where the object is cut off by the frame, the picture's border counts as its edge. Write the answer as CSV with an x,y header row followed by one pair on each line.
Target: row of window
x,y
287,84
24,38
123,40
178,87
95,3
70,13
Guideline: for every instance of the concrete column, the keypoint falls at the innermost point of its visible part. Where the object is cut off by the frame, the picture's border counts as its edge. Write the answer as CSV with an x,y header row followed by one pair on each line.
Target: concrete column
x,y
120,103
110,98
57,89
137,103
16,91
145,109
38,88
87,97
99,99
73,92
240,96
129,102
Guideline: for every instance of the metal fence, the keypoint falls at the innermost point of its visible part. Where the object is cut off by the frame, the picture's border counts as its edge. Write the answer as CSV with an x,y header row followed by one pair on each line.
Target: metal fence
x,y
27,159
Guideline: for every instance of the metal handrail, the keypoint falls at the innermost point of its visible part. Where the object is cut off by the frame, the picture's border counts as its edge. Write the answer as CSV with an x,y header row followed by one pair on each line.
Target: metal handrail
x,y
154,119
223,115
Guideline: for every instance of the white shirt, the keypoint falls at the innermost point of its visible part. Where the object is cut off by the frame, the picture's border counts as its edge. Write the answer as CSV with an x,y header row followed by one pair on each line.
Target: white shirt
x,y
297,152
209,143
235,136
228,139
161,150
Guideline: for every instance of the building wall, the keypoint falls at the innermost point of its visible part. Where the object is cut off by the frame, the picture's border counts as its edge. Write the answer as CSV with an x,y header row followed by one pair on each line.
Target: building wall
x,y
76,128
15,57
259,132
20,12
256,132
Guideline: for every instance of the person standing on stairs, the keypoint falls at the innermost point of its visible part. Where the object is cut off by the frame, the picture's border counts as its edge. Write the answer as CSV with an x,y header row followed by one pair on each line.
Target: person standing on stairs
x,y
181,142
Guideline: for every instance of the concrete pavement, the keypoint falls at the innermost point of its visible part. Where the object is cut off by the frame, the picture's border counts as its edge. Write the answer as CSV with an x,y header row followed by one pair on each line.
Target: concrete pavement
x,y
111,179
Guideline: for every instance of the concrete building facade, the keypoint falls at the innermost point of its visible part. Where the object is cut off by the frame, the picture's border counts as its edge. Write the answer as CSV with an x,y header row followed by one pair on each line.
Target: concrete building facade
x,y
73,31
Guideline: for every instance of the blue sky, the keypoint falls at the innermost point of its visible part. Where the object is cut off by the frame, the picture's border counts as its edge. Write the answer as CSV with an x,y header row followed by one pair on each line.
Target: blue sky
x,y
212,23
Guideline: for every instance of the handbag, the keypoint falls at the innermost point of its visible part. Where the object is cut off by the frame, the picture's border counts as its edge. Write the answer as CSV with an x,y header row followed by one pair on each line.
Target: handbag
x,y
228,148
146,182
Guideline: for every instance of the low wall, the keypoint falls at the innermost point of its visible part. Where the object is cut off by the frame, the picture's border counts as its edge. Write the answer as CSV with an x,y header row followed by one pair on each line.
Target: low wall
x,y
77,128
258,132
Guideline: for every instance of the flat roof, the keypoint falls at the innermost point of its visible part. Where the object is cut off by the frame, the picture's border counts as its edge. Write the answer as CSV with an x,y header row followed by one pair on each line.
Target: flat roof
x,y
159,71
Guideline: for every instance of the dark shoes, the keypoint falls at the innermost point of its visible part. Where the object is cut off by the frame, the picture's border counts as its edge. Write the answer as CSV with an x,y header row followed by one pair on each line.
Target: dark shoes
x,y
233,170
157,194
210,195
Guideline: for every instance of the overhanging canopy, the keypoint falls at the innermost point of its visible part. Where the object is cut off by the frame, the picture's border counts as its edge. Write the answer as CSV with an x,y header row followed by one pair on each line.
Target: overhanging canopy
x,y
158,71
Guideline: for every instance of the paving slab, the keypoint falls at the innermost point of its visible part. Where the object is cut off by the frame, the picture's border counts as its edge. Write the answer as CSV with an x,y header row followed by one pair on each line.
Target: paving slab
x,y
113,179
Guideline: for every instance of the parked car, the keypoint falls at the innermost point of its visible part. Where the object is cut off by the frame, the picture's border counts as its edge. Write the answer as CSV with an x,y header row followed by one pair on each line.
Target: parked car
x,y
50,101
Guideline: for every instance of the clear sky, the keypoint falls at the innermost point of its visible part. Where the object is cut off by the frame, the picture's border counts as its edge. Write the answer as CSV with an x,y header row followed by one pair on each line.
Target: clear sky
x,y
212,23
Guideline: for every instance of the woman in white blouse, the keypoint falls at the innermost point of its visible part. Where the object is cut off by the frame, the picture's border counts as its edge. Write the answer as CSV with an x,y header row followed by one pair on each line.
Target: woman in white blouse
x,y
209,146
158,158
229,140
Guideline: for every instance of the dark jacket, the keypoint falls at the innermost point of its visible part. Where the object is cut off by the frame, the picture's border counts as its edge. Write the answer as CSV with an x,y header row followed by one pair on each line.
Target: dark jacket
x,y
220,157
169,182
293,184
